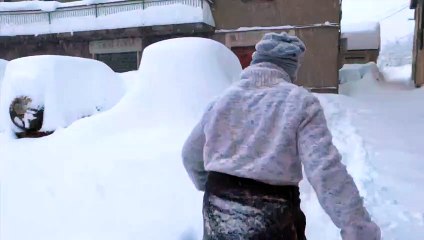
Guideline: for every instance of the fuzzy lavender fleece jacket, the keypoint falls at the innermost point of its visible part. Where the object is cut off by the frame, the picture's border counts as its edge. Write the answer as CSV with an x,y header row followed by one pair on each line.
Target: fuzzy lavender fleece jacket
x,y
265,128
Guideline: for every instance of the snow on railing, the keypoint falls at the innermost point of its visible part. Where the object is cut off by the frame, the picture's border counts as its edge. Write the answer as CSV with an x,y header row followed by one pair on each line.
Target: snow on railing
x,y
95,10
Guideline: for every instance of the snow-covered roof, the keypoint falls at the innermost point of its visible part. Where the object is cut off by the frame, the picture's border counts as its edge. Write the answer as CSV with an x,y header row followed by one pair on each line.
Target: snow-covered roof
x,y
48,6
362,36
34,18
284,27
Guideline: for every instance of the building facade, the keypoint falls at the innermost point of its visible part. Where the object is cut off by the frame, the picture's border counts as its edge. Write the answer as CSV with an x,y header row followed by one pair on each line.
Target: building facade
x,y
239,24
360,43
83,31
418,51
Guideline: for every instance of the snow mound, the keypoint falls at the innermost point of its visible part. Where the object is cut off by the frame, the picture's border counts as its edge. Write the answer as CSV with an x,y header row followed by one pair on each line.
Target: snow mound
x,y
185,95
68,88
362,36
83,182
397,53
368,79
354,72
3,64
401,74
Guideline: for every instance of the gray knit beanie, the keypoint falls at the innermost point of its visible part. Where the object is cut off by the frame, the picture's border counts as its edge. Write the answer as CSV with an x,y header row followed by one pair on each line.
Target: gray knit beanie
x,y
282,50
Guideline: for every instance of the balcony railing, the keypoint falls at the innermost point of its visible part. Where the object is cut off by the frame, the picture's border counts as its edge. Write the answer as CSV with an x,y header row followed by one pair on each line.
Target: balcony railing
x,y
95,11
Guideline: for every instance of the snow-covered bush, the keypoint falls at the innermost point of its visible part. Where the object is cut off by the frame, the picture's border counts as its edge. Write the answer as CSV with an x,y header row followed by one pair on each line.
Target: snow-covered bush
x,y
66,88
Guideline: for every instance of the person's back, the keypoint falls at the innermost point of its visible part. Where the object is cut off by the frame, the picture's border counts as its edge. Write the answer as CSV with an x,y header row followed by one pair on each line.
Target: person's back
x,y
256,119
247,151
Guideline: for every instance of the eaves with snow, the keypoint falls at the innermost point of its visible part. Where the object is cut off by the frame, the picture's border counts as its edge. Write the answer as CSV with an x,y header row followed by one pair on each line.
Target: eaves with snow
x,y
36,17
362,35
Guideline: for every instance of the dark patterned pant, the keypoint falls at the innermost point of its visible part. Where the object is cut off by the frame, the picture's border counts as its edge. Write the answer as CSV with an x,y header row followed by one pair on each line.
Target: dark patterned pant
x,y
239,209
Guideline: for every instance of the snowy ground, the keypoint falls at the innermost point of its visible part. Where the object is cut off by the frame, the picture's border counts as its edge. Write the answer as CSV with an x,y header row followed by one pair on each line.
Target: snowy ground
x,y
376,126
118,175
121,170
389,119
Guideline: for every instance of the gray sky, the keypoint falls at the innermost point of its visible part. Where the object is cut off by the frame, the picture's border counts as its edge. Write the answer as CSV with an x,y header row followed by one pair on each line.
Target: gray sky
x,y
371,10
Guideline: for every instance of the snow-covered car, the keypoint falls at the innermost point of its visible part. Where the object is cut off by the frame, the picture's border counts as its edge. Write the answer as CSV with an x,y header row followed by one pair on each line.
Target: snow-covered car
x,y
108,176
43,93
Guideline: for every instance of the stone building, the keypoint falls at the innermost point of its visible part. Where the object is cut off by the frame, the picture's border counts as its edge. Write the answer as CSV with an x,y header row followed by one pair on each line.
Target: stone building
x,y
116,33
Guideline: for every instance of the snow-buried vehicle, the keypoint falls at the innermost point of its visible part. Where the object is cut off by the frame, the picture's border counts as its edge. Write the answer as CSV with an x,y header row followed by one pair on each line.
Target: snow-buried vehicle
x,y
43,93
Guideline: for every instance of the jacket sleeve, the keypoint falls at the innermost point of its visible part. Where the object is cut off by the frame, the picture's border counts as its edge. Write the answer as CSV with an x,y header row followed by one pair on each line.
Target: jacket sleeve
x,y
335,188
193,157
192,153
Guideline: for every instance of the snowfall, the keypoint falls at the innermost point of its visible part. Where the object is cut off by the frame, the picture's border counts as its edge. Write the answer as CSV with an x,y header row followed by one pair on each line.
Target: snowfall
x,y
118,173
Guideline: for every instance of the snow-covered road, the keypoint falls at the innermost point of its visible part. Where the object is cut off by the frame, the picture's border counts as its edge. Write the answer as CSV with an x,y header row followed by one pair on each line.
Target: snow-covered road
x,y
378,129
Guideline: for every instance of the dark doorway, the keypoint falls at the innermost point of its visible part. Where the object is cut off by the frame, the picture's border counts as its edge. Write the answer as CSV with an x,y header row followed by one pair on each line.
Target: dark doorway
x,y
244,54
119,62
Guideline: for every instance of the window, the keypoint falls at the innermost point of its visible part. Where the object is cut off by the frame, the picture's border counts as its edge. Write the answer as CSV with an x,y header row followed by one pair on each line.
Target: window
x,y
119,62
244,54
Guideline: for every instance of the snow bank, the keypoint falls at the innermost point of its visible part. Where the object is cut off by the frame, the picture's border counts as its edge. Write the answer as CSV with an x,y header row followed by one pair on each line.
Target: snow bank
x,y
400,74
388,116
84,182
398,52
367,79
173,79
68,88
354,72
119,18
376,123
3,64
362,36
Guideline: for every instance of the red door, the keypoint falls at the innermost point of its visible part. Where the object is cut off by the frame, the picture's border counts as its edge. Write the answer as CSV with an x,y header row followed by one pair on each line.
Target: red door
x,y
244,54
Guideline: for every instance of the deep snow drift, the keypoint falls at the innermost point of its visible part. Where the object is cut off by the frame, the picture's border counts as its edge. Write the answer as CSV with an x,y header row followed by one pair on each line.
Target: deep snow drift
x,y
68,88
119,174
3,64
388,116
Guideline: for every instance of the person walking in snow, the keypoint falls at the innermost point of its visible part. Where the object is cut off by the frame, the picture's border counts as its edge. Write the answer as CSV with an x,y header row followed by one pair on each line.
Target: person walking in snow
x,y
247,152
